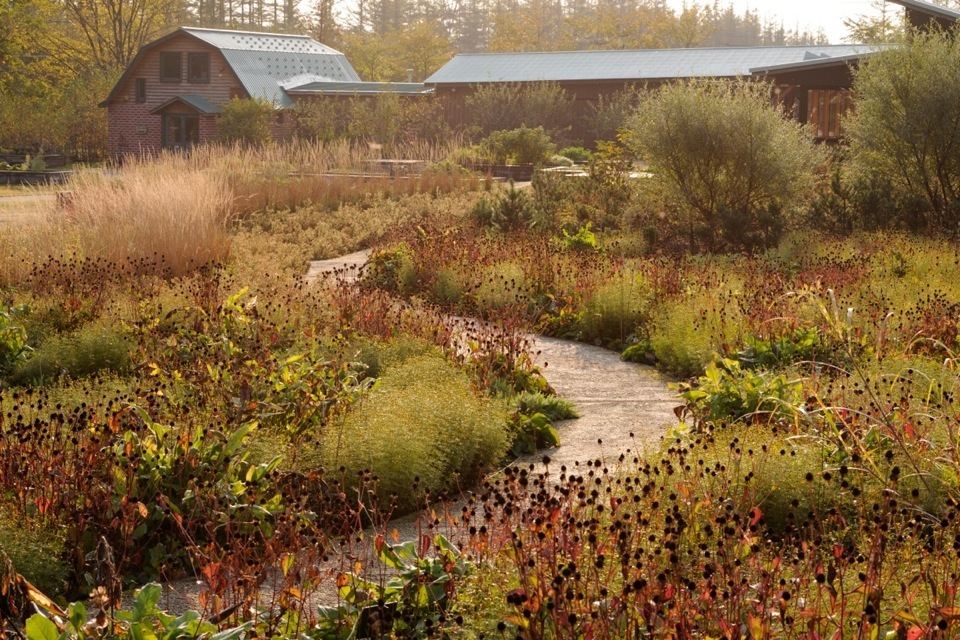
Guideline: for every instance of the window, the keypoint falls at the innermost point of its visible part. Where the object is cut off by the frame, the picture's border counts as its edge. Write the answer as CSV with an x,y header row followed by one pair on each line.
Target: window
x,y
825,110
180,131
198,67
141,89
170,67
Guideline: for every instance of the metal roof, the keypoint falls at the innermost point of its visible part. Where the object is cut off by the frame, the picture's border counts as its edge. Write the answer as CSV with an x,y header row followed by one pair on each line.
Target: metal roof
x,y
821,61
197,102
263,62
359,88
928,8
637,65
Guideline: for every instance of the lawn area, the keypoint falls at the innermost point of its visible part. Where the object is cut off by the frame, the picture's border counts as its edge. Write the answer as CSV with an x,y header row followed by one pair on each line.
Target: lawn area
x,y
25,208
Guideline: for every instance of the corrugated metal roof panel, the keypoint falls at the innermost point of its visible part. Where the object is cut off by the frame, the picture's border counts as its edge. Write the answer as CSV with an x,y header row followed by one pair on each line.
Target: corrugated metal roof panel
x,y
638,65
257,41
360,88
262,72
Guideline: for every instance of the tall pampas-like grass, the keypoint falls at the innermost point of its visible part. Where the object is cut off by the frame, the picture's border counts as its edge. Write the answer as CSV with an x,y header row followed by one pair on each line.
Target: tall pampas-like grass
x,y
151,212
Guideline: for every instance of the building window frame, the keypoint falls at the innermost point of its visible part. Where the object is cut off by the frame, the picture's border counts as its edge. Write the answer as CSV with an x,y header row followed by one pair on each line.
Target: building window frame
x,y
184,126
198,62
167,66
141,90
826,109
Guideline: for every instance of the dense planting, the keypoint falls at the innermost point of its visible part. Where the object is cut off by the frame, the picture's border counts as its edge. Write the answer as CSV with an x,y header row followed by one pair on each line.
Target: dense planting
x,y
201,411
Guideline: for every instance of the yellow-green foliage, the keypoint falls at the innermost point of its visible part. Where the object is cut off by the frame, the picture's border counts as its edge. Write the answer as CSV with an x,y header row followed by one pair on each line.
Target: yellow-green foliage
x,y
82,353
502,286
617,308
684,338
423,422
35,551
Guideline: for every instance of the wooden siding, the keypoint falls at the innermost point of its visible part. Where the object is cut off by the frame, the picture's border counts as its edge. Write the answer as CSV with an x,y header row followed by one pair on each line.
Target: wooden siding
x,y
133,129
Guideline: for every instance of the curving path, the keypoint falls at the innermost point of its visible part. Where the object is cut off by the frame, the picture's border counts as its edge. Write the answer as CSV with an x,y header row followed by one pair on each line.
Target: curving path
x,y
623,407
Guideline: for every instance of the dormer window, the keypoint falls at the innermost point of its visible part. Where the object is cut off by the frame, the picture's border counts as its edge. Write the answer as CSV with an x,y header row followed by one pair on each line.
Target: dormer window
x,y
198,67
170,67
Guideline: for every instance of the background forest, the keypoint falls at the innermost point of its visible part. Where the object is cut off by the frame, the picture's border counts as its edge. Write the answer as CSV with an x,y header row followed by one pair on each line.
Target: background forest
x,y
59,58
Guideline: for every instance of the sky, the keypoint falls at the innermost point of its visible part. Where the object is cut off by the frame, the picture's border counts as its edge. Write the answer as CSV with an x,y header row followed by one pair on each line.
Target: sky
x,y
810,14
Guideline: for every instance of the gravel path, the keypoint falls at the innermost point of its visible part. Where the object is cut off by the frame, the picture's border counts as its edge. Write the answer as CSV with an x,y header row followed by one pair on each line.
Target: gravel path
x,y
623,407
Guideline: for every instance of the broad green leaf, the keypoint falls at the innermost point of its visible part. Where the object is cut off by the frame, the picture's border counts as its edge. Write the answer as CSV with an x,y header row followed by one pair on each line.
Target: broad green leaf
x,y
40,627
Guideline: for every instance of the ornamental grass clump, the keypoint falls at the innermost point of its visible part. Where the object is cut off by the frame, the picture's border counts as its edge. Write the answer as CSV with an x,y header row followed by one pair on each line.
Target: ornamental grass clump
x,y
423,429
617,309
150,211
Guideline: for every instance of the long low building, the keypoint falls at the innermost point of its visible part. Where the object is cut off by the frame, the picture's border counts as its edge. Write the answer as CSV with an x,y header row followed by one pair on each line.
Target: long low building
x,y
173,91
813,82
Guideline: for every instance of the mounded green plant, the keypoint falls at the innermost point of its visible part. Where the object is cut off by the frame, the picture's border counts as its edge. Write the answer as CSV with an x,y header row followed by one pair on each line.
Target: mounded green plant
x,y
577,154
421,429
617,309
511,209
726,158
89,350
13,339
497,106
524,145
35,550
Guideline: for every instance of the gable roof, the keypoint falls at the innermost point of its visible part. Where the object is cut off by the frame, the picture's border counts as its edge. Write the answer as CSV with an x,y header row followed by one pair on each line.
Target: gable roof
x,y
262,62
929,8
625,65
199,103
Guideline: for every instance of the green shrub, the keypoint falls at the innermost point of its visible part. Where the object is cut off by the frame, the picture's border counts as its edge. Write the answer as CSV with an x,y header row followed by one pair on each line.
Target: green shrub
x,y
422,429
245,121
392,269
380,356
495,106
681,347
90,350
577,154
907,126
512,209
726,157
524,145
448,288
608,115
13,338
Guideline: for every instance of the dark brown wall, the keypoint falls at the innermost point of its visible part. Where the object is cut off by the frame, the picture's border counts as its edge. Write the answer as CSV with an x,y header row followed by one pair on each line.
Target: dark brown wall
x,y
839,76
923,21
